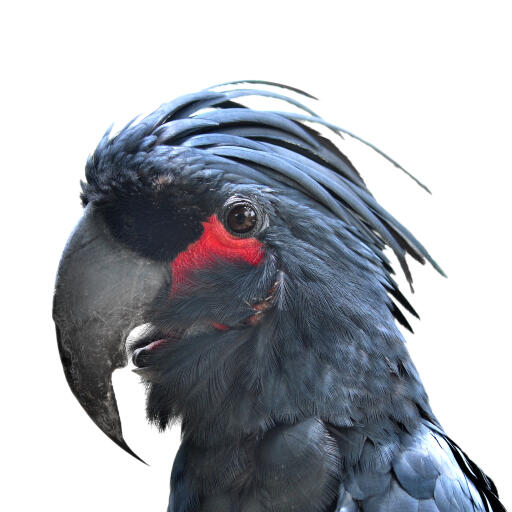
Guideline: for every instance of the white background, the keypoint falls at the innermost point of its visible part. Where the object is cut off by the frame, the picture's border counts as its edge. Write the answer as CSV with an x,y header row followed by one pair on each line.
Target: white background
x,y
428,82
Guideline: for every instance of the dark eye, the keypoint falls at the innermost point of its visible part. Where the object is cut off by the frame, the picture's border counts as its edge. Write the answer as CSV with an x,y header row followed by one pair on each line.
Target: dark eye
x,y
241,217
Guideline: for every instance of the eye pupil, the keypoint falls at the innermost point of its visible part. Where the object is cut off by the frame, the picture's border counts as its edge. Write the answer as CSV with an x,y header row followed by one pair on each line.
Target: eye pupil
x,y
241,218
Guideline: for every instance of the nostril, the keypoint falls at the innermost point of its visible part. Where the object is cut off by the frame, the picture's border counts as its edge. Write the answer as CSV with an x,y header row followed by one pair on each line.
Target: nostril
x,y
128,223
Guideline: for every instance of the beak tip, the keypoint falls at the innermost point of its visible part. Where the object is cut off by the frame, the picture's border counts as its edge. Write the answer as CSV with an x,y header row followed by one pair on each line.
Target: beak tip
x,y
124,445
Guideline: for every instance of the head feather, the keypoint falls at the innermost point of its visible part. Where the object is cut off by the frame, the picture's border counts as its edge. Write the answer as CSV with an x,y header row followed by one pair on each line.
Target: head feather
x,y
208,130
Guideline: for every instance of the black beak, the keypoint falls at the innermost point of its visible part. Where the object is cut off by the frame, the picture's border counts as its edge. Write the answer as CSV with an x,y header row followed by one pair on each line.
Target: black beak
x,y
101,294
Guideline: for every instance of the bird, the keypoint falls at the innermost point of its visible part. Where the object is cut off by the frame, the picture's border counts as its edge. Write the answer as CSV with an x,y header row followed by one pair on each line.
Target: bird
x,y
248,246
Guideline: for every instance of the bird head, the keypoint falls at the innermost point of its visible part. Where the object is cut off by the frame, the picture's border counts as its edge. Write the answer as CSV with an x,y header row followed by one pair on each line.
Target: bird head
x,y
251,249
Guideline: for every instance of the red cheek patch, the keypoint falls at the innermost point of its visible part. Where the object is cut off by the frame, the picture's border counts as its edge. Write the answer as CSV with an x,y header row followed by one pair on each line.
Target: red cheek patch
x,y
215,244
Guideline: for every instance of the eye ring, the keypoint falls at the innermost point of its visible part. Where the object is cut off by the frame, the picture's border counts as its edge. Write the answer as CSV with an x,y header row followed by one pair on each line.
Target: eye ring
x,y
242,217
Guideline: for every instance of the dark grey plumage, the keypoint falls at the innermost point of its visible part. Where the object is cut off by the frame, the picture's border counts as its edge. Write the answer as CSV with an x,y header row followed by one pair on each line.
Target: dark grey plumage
x,y
315,406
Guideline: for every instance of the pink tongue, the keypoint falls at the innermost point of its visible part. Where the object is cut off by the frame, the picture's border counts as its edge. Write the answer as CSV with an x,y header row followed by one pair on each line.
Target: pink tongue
x,y
155,344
